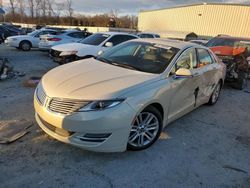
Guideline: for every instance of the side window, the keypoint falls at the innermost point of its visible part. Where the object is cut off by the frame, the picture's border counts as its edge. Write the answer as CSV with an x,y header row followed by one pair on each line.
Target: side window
x,y
204,58
187,60
117,39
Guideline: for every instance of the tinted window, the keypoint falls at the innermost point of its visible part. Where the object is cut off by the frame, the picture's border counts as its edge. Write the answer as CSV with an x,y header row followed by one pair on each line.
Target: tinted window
x,y
95,39
204,57
117,39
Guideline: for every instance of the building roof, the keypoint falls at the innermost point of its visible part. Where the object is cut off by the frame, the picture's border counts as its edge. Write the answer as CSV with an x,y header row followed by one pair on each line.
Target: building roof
x,y
198,4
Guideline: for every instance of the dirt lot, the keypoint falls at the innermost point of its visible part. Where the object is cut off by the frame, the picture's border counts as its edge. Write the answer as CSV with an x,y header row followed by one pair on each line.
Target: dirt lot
x,y
209,147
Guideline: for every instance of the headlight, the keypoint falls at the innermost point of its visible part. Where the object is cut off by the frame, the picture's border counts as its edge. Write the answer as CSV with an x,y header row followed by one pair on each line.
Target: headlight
x,y
66,53
101,105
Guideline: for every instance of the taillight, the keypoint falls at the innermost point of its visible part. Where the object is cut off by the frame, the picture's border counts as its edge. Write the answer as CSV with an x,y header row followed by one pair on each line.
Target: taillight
x,y
54,39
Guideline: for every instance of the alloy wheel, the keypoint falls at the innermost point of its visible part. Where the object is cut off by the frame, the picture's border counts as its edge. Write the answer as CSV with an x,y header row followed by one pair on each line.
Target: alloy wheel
x,y
144,131
216,93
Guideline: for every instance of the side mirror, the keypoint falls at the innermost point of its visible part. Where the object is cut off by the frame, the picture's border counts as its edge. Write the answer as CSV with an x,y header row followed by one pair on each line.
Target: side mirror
x,y
100,52
109,44
182,72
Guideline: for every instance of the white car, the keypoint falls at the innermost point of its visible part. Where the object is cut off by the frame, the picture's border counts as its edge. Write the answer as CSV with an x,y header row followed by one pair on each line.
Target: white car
x,y
88,47
126,96
26,42
148,35
62,37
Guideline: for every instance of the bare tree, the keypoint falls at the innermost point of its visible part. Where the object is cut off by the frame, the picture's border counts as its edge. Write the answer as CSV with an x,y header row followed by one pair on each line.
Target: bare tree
x,y
50,4
43,6
13,7
31,8
59,7
21,9
69,9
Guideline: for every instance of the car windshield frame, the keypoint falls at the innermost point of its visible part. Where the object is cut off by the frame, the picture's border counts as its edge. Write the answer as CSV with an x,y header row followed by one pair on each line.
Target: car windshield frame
x,y
33,33
141,57
95,39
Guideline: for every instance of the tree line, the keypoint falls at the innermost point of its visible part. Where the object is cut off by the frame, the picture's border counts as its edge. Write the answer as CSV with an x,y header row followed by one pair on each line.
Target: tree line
x,y
55,12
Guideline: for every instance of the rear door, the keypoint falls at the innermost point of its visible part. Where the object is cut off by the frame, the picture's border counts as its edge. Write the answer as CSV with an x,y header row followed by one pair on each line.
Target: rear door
x,y
208,66
185,90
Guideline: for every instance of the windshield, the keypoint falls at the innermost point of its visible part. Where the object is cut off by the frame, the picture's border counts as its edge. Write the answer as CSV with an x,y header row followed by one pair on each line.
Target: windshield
x,y
220,42
141,56
95,39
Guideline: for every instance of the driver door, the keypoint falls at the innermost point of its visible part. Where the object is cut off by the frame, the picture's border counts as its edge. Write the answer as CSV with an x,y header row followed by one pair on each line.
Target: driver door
x,y
185,90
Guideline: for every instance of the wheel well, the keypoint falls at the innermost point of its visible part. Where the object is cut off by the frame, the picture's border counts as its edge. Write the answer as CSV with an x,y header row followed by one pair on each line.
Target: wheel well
x,y
221,82
25,41
158,107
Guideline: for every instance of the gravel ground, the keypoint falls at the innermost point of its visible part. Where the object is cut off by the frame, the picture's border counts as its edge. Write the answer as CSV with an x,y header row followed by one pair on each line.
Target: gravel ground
x,y
209,147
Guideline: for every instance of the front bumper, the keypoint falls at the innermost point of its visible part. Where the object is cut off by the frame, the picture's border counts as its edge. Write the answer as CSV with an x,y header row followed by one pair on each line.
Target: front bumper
x,y
12,43
102,131
44,47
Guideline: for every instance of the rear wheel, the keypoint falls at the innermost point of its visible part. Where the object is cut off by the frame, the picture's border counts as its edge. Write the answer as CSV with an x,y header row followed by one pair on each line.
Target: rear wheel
x,y
145,129
25,45
215,95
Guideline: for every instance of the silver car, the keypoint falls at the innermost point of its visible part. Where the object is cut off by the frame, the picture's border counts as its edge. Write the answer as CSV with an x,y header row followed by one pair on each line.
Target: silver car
x,y
125,97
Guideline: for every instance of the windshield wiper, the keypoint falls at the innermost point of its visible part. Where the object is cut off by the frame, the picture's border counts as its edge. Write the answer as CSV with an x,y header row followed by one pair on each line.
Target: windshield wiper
x,y
103,59
122,65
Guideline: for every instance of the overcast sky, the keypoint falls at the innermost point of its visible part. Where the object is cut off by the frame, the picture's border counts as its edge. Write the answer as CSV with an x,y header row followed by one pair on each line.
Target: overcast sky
x,y
124,7
134,6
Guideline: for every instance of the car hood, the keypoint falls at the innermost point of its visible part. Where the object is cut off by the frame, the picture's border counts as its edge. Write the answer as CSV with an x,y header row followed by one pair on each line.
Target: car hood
x,y
70,47
20,37
91,79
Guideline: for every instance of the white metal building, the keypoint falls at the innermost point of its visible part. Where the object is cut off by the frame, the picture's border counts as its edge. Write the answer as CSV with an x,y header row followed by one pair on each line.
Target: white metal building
x,y
207,19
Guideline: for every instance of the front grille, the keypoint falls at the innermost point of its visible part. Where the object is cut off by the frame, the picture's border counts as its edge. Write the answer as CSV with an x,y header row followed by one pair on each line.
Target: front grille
x,y
41,96
65,106
55,53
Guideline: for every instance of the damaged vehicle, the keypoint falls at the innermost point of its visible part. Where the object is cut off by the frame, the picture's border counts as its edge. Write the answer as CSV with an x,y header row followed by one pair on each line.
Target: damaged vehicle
x,y
88,47
235,53
124,97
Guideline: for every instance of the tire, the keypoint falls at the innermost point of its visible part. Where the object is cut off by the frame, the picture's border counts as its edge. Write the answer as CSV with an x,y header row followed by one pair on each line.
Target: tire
x,y
241,82
25,45
215,95
144,135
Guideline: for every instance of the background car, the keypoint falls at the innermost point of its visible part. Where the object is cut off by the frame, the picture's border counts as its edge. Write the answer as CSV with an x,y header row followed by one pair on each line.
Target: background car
x,y
26,42
88,47
234,52
126,96
9,30
61,37
148,35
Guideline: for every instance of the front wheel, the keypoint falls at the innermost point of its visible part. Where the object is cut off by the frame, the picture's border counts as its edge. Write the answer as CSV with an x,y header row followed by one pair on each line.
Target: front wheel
x,y
25,45
215,95
145,129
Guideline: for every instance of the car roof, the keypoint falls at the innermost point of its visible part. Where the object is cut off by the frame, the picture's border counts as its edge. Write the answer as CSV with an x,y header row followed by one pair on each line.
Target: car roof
x,y
147,33
234,38
169,42
117,33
